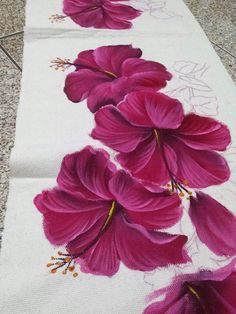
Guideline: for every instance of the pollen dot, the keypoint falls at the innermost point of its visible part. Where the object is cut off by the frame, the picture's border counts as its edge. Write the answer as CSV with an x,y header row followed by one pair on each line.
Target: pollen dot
x,y
67,259
75,275
49,264
53,271
71,268
181,194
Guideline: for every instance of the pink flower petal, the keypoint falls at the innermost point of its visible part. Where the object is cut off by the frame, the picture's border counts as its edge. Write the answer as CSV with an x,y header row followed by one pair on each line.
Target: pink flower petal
x,y
146,162
90,17
69,181
199,167
144,250
110,58
73,6
102,258
110,93
153,110
175,307
203,133
115,131
136,160
87,173
102,14
151,210
133,66
86,59
121,11
86,240
204,292
66,216
75,88
146,75
214,223
115,23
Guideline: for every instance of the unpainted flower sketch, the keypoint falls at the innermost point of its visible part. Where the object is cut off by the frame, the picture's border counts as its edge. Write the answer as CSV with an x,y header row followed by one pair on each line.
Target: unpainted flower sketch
x,y
190,87
155,8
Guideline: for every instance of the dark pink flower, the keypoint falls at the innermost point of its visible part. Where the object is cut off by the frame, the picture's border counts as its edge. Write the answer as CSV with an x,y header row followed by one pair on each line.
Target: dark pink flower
x,y
104,216
214,223
100,13
158,143
105,75
206,292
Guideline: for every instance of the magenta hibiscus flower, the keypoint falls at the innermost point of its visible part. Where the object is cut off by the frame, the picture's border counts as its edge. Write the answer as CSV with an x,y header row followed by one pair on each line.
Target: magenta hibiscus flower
x,y
105,75
158,143
215,224
207,292
104,216
100,13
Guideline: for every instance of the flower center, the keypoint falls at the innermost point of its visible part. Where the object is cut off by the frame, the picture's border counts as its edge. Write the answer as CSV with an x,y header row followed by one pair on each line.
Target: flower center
x,y
158,137
110,73
197,297
110,215
68,260
176,184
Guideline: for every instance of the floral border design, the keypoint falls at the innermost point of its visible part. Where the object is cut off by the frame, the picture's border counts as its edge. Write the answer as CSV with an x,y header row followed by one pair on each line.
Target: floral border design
x,y
102,215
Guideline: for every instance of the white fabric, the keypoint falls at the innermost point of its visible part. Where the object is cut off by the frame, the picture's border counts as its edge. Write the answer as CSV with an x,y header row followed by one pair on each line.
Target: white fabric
x,y
49,126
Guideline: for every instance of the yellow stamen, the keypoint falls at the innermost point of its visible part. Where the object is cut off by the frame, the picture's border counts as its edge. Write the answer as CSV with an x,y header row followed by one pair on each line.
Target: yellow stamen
x,y
110,73
53,271
49,264
92,8
157,137
110,214
57,18
75,275
194,292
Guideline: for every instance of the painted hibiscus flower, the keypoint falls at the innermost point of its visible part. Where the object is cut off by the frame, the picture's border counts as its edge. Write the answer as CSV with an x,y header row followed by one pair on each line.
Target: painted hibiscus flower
x,y
104,216
215,224
157,143
207,292
105,75
100,13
